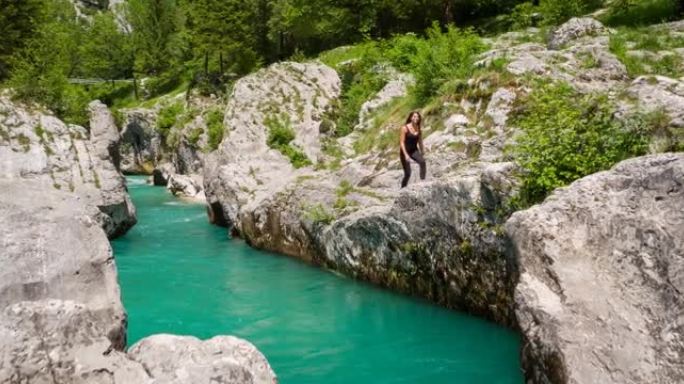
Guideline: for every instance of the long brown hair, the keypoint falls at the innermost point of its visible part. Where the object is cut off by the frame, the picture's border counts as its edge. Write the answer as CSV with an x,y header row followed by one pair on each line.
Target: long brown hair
x,y
420,120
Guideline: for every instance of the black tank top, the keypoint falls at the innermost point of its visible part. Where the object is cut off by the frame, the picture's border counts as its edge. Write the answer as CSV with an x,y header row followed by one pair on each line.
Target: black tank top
x,y
411,141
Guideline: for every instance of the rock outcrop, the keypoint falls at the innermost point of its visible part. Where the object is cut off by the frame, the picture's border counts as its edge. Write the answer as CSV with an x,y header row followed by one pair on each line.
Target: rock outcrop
x,y
177,360
245,169
601,291
182,185
141,143
38,146
54,249
577,53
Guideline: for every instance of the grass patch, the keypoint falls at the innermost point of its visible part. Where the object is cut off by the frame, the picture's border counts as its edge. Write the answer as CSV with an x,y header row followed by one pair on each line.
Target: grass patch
x,y
318,213
653,40
24,141
280,136
588,60
384,133
215,129
640,12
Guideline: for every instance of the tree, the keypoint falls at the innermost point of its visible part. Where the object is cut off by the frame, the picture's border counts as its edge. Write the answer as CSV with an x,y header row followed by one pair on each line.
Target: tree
x,y
106,51
157,41
40,71
18,22
223,34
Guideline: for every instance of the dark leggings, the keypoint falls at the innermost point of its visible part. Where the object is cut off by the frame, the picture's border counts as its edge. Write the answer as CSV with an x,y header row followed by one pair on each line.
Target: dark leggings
x,y
418,158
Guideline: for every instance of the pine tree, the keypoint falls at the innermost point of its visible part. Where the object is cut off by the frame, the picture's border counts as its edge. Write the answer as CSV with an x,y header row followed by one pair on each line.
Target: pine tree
x,y
223,35
18,22
157,40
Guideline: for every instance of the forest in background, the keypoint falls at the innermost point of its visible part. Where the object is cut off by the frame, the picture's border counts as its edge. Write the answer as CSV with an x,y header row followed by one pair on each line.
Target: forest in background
x,y
205,44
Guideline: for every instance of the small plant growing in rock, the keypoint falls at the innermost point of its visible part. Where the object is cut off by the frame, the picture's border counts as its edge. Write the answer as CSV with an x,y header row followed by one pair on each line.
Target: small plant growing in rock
x,y
24,141
280,136
215,128
317,213
195,135
588,60
344,188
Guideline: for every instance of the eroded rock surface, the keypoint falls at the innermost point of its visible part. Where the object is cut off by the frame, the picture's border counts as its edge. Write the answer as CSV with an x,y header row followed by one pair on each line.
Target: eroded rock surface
x,y
600,296
37,146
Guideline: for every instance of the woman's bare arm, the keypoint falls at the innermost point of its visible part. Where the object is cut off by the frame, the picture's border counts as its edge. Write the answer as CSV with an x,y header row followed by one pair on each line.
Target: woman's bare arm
x,y
402,139
420,143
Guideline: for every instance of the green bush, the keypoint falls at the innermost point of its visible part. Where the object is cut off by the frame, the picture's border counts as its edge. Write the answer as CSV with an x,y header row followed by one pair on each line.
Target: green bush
x,y
447,55
640,12
162,84
522,16
358,86
558,11
215,128
318,214
566,136
279,131
167,118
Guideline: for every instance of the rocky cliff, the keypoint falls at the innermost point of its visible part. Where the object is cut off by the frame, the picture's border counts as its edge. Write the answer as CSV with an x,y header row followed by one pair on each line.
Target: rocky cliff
x,y
601,262
36,146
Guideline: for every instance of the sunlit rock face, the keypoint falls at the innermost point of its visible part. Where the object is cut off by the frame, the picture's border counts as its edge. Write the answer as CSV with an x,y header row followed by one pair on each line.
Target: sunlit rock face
x,y
37,146
600,296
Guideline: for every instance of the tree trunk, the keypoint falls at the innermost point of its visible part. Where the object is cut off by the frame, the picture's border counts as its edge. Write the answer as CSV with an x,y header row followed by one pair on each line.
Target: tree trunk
x,y
206,64
221,63
447,12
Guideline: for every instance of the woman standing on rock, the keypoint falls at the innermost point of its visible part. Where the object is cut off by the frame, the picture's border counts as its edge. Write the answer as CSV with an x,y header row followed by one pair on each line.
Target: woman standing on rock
x,y
411,146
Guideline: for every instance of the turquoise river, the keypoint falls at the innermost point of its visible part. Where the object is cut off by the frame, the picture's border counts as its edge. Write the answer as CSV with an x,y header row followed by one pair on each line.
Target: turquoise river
x,y
181,275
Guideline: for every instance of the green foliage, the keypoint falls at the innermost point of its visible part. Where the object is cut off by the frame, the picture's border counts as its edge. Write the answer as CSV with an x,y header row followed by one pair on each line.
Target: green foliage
x,y
157,39
448,55
167,118
64,46
653,40
588,60
106,52
215,129
40,70
566,136
344,188
358,86
317,213
523,16
280,135
224,39
19,20
194,136
434,60
641,12
558,11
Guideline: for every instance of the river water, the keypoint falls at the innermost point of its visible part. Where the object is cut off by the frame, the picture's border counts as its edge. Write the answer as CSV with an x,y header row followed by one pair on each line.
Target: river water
x,y
181,275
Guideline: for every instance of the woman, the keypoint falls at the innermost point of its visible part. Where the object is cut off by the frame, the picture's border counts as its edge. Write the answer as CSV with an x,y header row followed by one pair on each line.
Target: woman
x,y
411,146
